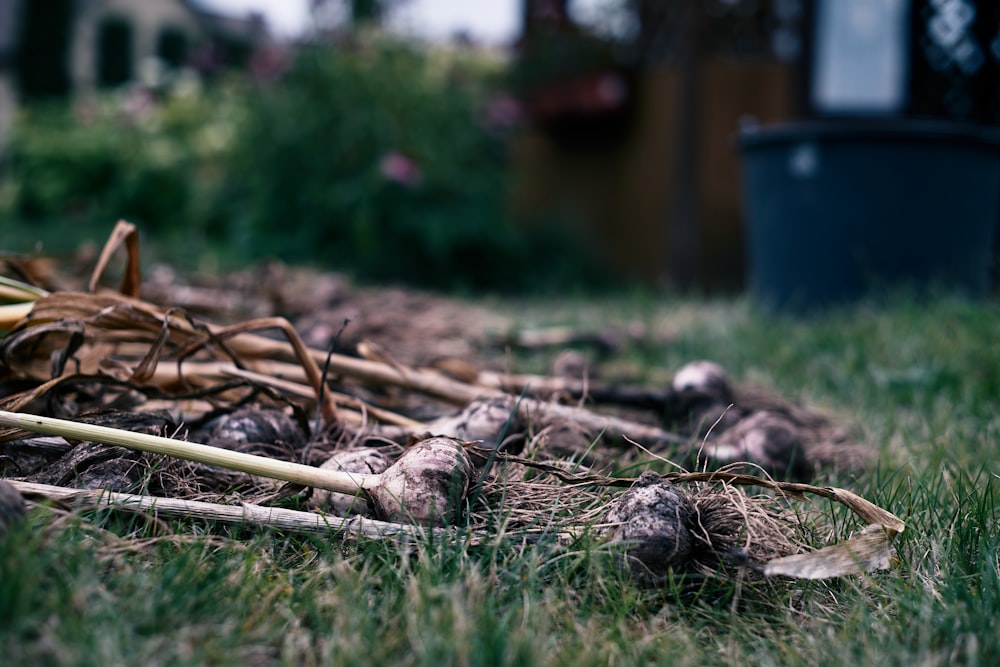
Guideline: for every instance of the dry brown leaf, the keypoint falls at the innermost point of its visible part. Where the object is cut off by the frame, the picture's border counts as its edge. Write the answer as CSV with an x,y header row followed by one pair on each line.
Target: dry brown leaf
x,y
124,232
869,550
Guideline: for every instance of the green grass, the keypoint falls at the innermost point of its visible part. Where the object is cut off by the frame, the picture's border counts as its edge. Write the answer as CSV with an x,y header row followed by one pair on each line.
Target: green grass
x,y
920,381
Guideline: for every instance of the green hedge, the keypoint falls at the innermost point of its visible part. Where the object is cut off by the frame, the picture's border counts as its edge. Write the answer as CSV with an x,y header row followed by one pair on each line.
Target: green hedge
x,y
368,156
73,169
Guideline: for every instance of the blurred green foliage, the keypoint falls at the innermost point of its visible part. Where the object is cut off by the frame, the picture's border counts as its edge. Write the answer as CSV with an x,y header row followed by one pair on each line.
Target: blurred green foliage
x,y
156,159
370,156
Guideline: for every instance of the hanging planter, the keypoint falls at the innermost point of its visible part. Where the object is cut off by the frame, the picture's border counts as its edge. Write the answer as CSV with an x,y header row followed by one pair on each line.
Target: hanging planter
x,y
571,84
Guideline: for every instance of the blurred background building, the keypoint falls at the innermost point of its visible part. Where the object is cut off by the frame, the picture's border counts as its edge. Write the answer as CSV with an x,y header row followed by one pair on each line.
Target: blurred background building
x,y
55,48
655,167
632,107
65,46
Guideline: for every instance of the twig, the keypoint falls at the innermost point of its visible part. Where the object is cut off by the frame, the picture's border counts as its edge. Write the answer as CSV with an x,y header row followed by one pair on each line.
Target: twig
x,y
649,398
302,390
257,515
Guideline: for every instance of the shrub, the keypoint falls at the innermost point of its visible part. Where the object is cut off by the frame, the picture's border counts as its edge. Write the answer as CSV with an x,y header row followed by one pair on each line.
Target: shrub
x,y
125,155
366,155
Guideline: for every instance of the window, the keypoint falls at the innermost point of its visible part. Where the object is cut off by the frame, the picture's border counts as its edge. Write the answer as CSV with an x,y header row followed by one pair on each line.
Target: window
x,y
114,52
172,47
860,56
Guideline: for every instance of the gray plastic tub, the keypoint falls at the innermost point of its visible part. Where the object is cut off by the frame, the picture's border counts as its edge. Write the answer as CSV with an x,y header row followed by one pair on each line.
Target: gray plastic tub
x,y
834,210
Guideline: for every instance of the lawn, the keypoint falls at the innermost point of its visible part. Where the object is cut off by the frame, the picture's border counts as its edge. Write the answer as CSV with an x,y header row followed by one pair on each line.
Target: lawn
x,y
920,381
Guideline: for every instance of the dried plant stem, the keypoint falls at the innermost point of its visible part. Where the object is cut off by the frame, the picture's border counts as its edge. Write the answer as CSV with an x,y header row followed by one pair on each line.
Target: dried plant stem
x,y
331,480
13,313
298,389
15,290
594,422
257,515
116,319
120,320
435,384
868,511
124,233
440,386
432,383
422,380
24,296
299,349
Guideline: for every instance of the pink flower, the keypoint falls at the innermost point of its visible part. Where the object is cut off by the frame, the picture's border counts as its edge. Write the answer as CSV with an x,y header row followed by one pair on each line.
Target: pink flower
x,y
398,168
270,63
501,112
139,105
